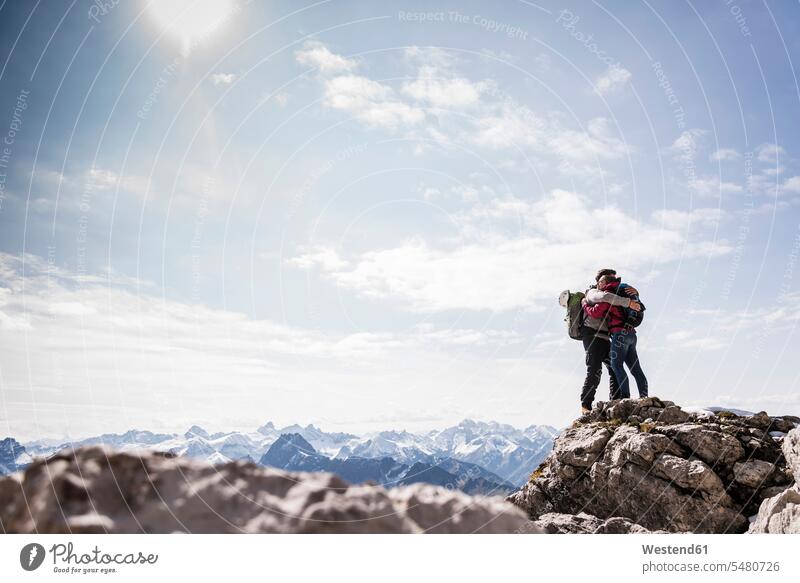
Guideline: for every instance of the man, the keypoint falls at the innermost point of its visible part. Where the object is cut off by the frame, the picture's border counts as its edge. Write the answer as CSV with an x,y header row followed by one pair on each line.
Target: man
x,y
596,341
622,337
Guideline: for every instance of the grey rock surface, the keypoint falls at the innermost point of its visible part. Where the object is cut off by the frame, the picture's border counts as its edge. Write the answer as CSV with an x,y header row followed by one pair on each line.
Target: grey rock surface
x,y
582,523
752,473
791,450
98,490
780,514
675,471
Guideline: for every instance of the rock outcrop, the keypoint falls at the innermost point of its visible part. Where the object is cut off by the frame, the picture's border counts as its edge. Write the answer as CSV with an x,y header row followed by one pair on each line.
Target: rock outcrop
x,y
582,523
661,468
780,514
98,490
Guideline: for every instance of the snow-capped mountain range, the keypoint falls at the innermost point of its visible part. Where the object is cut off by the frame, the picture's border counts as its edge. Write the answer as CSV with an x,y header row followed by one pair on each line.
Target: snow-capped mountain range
x,y
292,452
502,450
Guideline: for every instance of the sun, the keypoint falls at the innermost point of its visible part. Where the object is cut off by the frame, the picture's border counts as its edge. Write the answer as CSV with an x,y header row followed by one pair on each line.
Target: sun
x,y
190,21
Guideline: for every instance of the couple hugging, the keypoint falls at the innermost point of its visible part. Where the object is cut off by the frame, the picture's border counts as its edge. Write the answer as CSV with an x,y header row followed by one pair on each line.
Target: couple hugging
x,y
605,320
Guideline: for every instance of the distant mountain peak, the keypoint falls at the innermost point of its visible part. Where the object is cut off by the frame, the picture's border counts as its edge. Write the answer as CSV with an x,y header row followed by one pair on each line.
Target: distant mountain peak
x,y
287,449
196,430
267,429
10,445
10,451
294,440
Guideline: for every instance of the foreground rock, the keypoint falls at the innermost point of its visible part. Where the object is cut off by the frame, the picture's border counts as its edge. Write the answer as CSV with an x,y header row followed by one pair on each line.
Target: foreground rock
x,y
582,523
780,514
97,490
660,468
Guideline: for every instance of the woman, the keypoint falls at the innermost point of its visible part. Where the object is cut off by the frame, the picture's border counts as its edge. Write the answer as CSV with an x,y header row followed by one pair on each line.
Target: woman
x,y
623,340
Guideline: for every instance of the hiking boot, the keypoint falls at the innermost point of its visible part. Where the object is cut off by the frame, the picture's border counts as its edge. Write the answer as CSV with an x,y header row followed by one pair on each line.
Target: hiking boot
x,y
585,411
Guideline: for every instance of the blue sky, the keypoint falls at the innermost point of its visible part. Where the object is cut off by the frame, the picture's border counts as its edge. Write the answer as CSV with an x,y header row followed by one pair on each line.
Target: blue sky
x,y
361,214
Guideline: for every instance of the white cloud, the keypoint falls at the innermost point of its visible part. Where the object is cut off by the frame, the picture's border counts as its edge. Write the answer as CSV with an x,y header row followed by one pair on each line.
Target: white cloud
x,y
80,185
686,144
783,315
431,193
496,121
317,55
324,258
223,78
679,336
430,57
596,143
71,309
10,322
466,337
615,78
64,307
709,186
42,205
509,125
102,179
769,153
763,184
714,329
96,353
435,89
497,210
564,238
544,62
724,155
791,184
466,192
695,341
681,220
369,101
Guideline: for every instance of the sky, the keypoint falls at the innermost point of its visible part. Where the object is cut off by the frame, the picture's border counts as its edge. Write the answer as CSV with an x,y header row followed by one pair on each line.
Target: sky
x,y
361,214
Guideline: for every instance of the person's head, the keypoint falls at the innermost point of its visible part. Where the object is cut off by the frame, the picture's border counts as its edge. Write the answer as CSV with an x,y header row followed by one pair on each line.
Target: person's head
x,y
603,272
606,280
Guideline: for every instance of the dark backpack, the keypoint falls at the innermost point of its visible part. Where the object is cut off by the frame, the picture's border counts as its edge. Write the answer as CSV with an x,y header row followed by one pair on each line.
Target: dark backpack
x,y
575,314
632,317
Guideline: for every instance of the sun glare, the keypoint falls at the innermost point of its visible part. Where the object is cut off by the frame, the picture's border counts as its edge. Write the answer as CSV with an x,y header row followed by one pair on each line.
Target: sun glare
x,y
190,21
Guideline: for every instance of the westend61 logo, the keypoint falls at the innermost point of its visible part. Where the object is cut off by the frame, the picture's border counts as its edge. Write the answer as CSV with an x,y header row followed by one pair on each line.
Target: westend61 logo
x,y
66,560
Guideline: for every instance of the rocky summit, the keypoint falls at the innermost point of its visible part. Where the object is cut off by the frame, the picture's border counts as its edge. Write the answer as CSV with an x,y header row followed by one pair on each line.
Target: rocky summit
x,y
98,490
644,465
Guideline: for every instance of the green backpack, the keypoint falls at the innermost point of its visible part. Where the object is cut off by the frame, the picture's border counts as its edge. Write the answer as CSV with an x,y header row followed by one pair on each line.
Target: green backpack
x,y
575,314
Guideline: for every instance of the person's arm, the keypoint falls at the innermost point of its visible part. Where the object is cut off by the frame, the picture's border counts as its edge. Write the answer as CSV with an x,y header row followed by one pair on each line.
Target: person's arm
x,y
596,310
595,296
633,294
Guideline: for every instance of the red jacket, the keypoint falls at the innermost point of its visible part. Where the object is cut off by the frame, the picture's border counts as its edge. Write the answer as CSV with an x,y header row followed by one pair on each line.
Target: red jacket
x,y
614,316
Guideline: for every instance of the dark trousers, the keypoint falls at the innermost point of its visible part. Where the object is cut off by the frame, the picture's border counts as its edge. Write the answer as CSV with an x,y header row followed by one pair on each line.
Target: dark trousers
x,y
597,354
